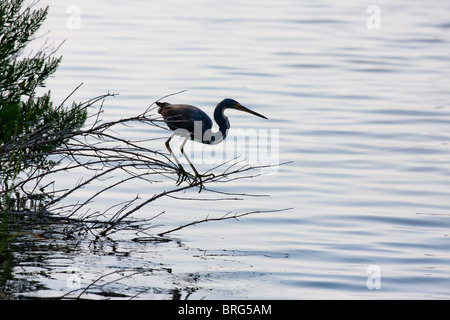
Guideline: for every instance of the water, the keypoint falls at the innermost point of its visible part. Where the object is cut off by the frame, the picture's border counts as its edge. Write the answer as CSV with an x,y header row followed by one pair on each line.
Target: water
x,y
363,114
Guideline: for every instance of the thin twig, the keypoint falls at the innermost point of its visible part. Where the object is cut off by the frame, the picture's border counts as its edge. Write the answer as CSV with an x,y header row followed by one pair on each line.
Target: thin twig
x,y
225,217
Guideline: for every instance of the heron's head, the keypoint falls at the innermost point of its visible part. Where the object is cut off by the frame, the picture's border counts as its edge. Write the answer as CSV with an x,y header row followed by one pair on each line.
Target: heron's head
x,y
233,104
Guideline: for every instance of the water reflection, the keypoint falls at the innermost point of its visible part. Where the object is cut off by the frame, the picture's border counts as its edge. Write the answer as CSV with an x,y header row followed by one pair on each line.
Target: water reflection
x,y
98,269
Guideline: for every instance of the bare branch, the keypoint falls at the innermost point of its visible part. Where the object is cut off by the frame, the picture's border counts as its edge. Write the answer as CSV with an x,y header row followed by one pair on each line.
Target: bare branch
x,y
101,154
224,217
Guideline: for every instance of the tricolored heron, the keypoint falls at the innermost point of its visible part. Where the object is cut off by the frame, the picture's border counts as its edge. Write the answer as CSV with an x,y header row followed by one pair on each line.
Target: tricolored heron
x,y
193,123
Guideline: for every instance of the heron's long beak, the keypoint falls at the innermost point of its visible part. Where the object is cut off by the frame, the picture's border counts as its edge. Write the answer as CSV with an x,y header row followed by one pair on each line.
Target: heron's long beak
x,y
242,108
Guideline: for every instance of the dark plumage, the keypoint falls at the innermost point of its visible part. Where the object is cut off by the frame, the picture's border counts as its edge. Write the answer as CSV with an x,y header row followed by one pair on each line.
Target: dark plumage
x,y
192,123
189,118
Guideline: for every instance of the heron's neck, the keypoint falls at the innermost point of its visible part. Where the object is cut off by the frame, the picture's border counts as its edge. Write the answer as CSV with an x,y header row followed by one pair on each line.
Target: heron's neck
x,y
221,120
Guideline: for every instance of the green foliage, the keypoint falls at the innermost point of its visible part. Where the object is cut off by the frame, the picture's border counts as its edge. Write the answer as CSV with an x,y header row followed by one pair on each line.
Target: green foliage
x,y
20,77
23,116
31,127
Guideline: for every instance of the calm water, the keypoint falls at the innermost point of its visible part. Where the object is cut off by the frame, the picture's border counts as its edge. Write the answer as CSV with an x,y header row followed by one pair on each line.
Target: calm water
x,y
363,113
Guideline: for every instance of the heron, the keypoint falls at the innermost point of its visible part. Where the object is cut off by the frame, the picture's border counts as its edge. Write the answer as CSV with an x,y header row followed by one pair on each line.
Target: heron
x,y
194,124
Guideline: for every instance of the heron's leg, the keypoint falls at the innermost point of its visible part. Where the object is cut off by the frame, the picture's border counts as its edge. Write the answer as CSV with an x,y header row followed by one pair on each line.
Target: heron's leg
x,y
188,160
198,176
170,150
182,174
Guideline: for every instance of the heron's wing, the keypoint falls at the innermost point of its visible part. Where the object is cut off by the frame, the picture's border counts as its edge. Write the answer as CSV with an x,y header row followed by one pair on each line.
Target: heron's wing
x,y
183,116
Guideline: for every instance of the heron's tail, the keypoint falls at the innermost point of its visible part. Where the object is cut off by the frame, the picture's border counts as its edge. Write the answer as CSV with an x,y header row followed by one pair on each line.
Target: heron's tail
x,y
162,105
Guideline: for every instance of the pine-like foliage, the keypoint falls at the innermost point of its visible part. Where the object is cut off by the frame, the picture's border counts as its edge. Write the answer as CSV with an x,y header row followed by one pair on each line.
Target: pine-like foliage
x,y
31,128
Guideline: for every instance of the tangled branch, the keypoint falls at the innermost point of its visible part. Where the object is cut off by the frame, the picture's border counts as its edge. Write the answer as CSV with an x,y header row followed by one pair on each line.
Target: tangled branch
x,y
97,154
